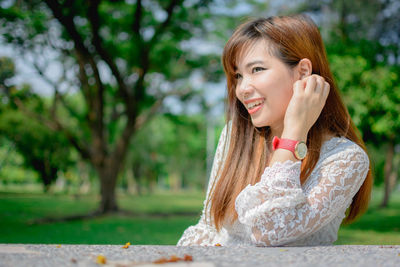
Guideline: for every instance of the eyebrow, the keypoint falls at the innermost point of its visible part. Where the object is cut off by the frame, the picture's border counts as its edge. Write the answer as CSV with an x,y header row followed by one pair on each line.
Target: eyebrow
x,y
248,65
255,62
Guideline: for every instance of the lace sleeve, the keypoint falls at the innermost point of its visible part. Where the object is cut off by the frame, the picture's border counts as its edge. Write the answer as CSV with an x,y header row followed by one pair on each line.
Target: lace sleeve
x,y
277,211
204,232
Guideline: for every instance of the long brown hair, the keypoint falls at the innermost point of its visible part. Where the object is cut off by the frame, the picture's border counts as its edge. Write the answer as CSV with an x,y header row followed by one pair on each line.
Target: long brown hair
x,y
291,39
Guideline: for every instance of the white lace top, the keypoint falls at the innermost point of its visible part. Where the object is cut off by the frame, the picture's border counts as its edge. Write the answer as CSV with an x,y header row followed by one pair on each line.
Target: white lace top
x,y
279,211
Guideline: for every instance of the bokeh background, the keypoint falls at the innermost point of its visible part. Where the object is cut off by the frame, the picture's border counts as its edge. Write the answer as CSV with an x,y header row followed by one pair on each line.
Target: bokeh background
x,y
110,112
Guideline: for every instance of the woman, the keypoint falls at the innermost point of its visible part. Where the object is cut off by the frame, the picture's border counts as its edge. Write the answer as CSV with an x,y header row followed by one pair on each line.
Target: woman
x,y
289,163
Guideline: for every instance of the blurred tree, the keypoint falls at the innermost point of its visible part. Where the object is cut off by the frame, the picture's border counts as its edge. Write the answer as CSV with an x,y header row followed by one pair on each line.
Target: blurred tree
x,y
124,57
42,149
170,150
373,98
7,71
364,41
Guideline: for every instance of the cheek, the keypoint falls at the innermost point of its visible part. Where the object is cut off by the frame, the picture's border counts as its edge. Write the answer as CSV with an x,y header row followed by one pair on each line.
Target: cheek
x,y
237,94
237,91
286,98
282,97
289,93
287,88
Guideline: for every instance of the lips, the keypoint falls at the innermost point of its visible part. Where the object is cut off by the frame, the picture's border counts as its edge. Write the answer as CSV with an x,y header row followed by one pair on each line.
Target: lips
x,y
254,105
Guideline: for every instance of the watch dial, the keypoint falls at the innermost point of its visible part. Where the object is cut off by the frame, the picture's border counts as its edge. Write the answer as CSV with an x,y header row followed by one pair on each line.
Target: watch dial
x,y
301,150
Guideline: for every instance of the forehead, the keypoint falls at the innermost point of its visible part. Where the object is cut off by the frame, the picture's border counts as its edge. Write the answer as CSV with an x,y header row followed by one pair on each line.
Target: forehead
x,y
260,49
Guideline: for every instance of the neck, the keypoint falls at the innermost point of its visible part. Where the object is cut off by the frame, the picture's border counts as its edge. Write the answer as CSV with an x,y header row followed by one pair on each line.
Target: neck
x,y
276,131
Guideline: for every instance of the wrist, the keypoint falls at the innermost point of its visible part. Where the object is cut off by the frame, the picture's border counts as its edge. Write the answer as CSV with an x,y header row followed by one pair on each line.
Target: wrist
x,y
298,148
293,134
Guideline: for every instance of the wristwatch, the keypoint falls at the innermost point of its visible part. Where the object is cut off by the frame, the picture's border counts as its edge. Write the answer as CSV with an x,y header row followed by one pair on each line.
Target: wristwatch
x,y
298,148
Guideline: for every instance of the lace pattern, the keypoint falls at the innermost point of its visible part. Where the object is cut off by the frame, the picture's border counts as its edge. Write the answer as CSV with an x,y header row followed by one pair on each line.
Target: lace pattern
x,y
278,210
204,232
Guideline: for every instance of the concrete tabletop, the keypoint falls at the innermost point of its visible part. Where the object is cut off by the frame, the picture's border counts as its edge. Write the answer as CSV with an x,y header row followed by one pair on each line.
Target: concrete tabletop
x,y
115,255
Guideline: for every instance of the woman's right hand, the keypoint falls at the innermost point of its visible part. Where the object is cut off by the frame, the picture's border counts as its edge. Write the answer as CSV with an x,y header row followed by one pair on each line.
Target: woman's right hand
x,y
308,99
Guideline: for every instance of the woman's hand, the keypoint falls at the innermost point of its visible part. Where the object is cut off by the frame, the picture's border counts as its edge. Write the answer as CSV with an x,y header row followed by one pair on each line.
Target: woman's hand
x,y
305,106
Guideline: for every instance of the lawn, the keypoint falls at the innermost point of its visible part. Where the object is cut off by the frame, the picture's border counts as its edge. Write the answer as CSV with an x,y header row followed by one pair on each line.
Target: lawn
x,y
376,226
18,211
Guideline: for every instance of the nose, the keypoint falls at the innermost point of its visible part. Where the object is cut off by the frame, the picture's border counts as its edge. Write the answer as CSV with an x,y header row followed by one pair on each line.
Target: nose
x,y
244,88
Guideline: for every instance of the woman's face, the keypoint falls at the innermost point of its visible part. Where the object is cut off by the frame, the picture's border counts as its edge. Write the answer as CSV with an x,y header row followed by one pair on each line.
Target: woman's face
x,y
264,85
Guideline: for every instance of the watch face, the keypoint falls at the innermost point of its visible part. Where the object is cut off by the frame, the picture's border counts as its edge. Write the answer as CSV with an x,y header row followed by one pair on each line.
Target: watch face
x,y
300,150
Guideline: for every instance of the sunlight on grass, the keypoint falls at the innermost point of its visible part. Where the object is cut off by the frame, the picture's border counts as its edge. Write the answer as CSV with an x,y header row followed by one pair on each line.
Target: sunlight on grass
x,y
18,210
377,226
367,237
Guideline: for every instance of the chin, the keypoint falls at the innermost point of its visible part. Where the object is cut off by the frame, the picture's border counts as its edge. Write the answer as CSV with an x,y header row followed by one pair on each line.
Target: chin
x,y
258,123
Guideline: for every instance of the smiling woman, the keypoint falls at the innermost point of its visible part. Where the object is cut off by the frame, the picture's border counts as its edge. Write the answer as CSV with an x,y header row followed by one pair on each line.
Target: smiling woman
x,y
264,85
289,163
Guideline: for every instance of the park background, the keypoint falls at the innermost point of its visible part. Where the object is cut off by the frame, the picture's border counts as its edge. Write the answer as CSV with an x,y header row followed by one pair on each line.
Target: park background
x,y
110,112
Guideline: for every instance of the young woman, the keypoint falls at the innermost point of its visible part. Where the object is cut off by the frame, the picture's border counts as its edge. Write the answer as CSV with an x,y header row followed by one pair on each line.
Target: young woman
x,y
289,166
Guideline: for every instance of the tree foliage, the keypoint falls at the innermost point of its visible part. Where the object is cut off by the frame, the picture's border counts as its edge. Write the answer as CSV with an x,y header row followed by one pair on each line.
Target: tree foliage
x,y
364,48
372,96
43,150
123,57
170,150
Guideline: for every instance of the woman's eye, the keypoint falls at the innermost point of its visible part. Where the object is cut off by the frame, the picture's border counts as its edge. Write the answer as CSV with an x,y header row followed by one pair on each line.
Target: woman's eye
x,y
237,76
257,69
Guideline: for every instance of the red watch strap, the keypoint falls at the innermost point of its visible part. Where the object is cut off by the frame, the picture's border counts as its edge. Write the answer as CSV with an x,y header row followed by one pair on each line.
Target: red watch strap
x,y
283,143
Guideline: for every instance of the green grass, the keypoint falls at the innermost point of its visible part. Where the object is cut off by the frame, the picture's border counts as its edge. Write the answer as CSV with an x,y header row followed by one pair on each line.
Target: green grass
x,y
377,226
19,210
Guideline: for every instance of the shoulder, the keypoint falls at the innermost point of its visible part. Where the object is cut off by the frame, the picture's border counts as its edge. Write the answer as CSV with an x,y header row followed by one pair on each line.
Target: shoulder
x,y
341,148
225,135
340,158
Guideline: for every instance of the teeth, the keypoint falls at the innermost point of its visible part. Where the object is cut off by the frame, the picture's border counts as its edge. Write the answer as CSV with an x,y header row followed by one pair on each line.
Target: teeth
x,y
255,103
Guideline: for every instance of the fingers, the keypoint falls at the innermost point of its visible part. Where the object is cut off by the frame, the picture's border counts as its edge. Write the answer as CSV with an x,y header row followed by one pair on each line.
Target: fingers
x,y
298,86
308,100
325,90
320,85
316,84
311,84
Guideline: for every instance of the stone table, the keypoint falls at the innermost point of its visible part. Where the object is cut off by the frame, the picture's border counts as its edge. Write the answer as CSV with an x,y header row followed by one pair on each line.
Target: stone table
x,y
88,255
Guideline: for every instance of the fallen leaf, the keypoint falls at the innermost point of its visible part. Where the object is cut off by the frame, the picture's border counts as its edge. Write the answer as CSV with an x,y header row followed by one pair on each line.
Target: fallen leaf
x,y
283,249
187,258
127,245
173,258
161,261
101,259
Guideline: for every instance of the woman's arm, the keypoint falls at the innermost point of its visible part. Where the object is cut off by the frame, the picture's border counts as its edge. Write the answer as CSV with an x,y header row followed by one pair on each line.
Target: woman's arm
x,y
308,99
276,209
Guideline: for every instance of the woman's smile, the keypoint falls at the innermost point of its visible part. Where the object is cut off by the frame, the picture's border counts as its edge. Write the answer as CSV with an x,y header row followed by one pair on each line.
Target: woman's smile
x,y
254,105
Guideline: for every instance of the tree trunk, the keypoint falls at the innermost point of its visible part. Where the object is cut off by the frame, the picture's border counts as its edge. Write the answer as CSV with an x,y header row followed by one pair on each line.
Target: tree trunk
x,y
108,182
388,169
175,181
130,181
136,173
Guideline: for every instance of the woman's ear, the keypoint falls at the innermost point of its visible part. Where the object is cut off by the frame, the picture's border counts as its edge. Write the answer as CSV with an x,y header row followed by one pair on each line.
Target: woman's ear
x,y
304,68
